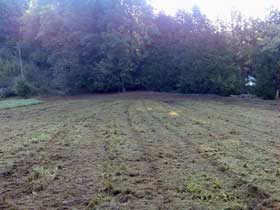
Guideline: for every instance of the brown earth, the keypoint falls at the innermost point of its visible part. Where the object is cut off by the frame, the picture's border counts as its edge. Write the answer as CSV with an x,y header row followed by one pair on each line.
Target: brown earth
x,y
141,151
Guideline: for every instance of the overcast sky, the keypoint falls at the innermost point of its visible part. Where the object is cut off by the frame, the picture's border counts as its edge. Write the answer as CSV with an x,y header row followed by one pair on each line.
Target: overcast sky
x,y
218,8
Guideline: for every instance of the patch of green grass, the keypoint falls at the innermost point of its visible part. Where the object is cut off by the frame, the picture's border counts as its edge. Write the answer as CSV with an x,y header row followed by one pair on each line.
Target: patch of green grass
x,y
13,103
209,189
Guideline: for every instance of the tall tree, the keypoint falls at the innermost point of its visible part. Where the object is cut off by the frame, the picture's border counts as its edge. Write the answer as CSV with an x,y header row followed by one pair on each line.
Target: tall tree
x,y
267,57
74,46
10,13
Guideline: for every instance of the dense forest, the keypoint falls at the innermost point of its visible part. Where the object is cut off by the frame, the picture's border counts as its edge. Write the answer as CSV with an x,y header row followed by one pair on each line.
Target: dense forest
x,y
93,46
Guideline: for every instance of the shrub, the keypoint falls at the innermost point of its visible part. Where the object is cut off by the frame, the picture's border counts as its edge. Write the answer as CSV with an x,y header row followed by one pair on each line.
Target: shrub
x,y
22,88
6,92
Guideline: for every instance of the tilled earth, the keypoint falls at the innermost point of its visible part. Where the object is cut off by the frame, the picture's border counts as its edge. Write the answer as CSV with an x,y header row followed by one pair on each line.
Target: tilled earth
x,y
141,151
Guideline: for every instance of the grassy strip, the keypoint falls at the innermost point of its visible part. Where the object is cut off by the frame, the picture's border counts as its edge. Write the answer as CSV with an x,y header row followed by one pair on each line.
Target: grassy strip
x,y
13,103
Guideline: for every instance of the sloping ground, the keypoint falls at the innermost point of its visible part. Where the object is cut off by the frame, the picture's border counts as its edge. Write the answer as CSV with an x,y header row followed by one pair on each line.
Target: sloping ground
x,y
13,103
142,151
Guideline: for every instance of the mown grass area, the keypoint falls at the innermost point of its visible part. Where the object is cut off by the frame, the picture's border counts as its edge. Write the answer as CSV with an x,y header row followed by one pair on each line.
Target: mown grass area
x,y
14,103
141,151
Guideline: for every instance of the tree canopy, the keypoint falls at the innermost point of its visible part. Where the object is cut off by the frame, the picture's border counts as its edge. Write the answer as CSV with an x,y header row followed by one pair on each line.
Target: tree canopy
x,y
92,46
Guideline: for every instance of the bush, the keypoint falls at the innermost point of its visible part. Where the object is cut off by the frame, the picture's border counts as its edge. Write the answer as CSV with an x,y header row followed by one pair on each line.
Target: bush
x,y
22,88
6,92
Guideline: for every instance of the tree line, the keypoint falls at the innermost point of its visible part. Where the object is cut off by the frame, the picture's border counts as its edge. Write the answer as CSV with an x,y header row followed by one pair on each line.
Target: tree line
x,y
100,46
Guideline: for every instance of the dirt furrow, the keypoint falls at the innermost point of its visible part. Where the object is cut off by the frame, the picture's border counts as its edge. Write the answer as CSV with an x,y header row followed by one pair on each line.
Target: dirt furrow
x,y
254,198
45,178
231,116
139,151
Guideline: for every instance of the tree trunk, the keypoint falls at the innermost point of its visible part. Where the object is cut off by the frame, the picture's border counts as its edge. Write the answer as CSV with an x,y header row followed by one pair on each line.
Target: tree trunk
x,y
278,82
20,62
123,85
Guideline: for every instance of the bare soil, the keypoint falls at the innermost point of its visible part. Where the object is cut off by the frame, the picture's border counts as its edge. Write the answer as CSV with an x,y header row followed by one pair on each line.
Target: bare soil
x,y
141,151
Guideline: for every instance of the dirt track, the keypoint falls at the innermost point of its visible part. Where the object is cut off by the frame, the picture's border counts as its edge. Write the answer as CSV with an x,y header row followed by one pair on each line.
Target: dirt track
x,y
142,151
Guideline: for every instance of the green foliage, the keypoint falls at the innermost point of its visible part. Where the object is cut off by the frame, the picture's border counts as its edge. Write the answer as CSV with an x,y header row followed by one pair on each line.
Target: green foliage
x,y
6,92
22,88
267,62
117,45
8,67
